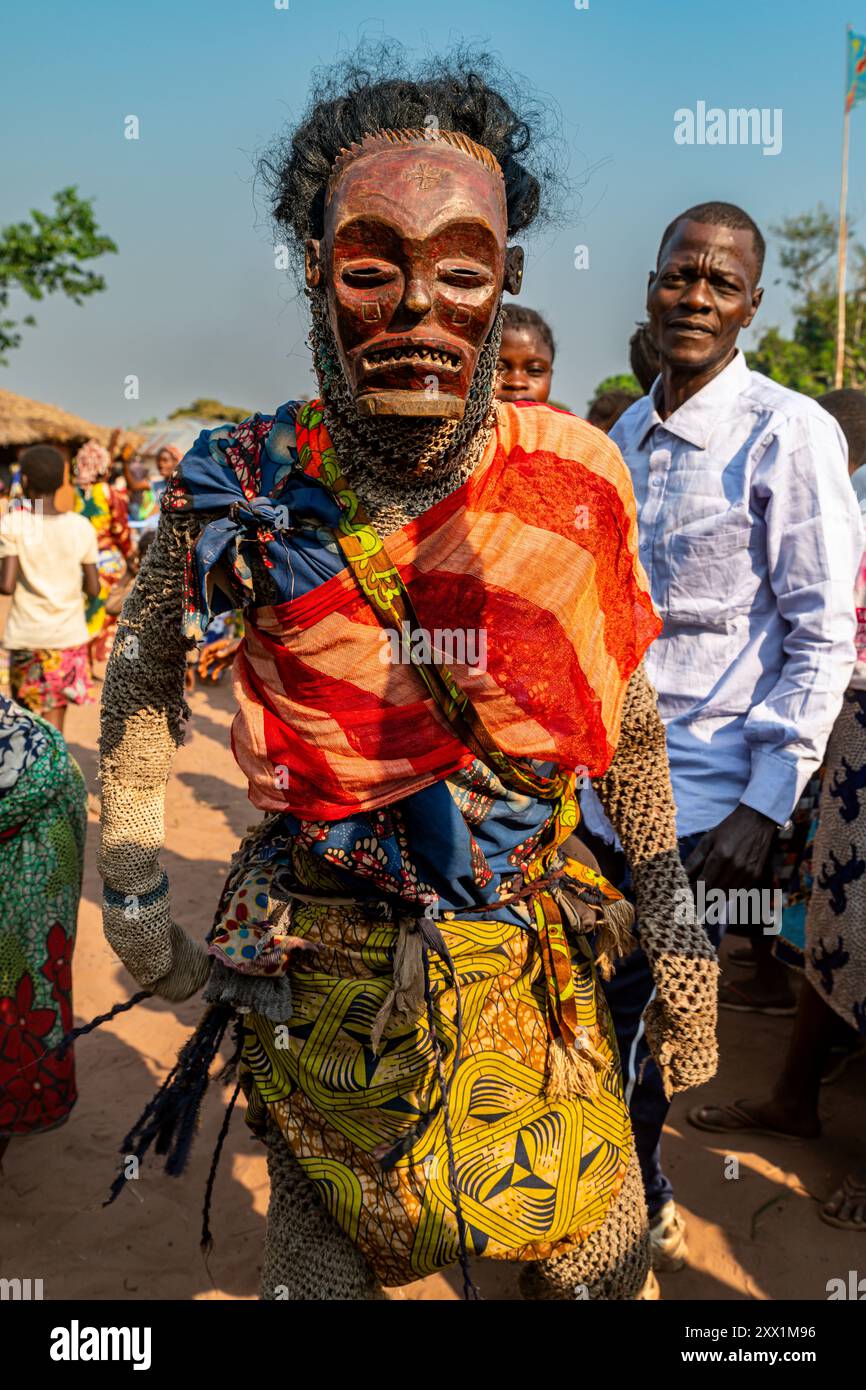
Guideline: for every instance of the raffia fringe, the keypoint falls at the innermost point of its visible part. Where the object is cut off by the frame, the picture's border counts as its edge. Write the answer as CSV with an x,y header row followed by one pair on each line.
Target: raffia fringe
x,y
573,1071
406,996
614,938
663,1061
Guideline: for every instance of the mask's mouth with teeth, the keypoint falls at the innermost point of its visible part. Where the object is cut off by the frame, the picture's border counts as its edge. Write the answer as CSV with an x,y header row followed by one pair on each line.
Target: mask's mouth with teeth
x,y
422,356
398,374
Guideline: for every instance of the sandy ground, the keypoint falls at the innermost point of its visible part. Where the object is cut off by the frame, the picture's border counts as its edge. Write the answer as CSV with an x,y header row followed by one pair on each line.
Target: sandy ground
x,y
756,1236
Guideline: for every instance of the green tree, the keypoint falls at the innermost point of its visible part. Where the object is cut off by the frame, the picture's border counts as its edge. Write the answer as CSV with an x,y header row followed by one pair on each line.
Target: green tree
x,y
806,361
621,381
807,246
46,255
787,362
206,408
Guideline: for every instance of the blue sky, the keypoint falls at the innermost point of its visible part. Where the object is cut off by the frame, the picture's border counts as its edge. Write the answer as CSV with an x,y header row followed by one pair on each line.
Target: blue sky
x,y
194,304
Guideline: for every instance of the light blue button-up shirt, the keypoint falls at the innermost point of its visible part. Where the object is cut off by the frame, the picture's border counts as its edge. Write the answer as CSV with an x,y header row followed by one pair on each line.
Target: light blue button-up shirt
x,y
750,535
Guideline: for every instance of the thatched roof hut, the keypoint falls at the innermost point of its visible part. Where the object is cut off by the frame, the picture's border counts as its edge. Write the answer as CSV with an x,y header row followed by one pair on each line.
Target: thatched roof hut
x,y
24,422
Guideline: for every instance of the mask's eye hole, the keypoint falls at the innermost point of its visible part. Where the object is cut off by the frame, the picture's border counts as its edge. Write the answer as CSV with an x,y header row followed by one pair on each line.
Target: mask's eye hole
x,y
463,275
367,276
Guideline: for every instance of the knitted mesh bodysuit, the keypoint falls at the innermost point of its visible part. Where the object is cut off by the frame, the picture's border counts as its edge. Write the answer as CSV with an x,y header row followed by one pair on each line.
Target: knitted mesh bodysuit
x,y
307,1256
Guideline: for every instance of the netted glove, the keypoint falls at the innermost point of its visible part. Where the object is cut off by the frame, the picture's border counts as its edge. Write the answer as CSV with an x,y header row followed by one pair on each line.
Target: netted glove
x,y
636,794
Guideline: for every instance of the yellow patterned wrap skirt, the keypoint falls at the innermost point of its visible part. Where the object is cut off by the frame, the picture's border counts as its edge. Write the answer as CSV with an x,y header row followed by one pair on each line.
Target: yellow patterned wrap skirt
x,y
535,1176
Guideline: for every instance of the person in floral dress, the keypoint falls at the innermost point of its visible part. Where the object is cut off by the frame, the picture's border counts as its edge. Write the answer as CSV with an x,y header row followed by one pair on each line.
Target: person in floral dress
x,y
43,815
105,507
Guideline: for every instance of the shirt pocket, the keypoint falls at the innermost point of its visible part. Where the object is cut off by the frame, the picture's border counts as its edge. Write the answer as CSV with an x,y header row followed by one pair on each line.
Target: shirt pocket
x,y
714,575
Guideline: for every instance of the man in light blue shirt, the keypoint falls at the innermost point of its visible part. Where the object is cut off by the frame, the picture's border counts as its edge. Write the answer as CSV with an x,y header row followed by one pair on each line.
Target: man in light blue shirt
x,y
751,538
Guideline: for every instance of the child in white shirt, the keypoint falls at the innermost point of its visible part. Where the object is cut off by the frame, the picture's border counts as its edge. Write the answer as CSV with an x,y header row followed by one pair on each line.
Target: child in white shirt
x,y
48,564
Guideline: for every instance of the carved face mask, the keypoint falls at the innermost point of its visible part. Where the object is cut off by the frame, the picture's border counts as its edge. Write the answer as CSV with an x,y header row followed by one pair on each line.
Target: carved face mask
x,y
414,262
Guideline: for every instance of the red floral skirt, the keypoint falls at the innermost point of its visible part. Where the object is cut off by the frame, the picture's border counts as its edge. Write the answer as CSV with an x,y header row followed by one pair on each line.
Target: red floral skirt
x,y
42,828
50,678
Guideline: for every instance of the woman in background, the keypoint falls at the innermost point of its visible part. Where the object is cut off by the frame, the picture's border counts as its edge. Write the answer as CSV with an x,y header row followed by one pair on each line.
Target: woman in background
x,y
525,367
43,815
145,489
105,507
167,460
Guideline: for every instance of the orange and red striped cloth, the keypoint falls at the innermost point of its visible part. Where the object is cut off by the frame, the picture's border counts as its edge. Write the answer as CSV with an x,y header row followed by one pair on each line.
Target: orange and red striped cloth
x,y
537,552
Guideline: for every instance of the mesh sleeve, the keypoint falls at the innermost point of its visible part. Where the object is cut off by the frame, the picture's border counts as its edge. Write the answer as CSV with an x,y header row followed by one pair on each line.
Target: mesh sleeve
x,y
637,797
143,713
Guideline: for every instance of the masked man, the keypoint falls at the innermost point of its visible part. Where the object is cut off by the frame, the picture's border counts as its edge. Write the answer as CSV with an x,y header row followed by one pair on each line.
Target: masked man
x,y
445,617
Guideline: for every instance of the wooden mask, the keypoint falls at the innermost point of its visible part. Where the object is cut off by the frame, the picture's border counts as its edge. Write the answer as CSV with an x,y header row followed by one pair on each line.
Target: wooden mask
x,y
414,262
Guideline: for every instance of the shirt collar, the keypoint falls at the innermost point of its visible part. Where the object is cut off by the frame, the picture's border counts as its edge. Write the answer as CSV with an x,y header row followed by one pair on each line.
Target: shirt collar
x,y
693,421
